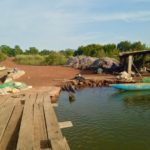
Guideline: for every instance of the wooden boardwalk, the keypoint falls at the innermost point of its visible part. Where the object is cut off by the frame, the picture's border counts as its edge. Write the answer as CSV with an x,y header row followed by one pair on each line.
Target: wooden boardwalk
x,y
28,122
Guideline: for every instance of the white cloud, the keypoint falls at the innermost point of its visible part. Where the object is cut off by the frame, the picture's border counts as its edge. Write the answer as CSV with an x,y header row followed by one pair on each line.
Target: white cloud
x,y
124,16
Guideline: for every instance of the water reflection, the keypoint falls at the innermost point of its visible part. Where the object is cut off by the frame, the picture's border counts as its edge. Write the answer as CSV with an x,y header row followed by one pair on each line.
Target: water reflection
x,y
134,98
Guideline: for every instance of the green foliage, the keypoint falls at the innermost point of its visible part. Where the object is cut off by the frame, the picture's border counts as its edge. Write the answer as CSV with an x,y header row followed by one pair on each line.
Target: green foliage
x,y
33,56
52,59
138,46
55,59
128,46
30,59
96,50
18,50
93,50
67,52
2,56
32,51
44,52
7,50
124,46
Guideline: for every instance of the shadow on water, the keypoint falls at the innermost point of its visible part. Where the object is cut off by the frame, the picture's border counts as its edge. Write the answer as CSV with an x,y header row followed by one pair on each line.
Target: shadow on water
x,y
133,98
71,97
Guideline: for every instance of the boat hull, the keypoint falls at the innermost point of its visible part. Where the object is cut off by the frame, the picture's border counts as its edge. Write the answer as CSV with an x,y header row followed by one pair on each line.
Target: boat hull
x,y
132,87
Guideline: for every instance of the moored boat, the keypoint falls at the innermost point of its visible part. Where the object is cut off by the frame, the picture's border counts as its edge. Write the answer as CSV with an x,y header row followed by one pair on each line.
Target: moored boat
x,y
132,87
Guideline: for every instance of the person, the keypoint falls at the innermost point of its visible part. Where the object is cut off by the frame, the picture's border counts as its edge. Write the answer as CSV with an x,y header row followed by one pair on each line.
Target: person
x,y
79,77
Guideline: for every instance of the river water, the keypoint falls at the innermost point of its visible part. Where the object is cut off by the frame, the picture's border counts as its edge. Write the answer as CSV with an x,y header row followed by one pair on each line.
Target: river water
x,y
104,119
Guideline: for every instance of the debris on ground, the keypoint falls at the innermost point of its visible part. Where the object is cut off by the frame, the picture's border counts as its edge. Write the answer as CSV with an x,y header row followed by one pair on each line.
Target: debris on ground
x,y
14,74
80,62
124,76
2,68
104,64
13,87
7,83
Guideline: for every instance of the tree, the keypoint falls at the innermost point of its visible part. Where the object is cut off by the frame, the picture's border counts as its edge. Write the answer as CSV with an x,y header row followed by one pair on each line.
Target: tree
x,y
124,46
7,50
45,52
89,50
67,52
138,46
109,47
18,50
32,51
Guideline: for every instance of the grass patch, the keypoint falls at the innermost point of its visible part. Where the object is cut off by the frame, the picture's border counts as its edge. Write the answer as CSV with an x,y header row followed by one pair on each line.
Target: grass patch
x,y
55,59
51,59
30,59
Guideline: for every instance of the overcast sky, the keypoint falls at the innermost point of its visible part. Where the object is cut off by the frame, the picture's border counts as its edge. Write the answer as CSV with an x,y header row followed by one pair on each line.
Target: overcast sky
x,y
61,24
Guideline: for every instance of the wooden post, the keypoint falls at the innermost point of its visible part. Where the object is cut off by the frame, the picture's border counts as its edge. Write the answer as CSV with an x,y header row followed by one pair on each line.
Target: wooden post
x,y
130,61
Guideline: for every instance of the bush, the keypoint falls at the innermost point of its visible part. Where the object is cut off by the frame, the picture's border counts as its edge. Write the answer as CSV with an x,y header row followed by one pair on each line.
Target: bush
x,y
2,56
51,59
30,59
55,59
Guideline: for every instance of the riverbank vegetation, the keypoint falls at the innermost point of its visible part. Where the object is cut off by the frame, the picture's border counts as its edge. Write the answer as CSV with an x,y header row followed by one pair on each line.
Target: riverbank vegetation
x,y
34,56
2,56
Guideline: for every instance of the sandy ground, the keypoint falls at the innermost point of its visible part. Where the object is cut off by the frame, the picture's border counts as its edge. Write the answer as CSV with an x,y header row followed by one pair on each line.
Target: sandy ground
x,y
39,76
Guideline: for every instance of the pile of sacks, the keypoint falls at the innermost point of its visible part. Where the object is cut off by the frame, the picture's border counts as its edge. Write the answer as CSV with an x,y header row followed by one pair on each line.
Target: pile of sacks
x,y
124,76
85,62
80,62
14,74
7,83
13,87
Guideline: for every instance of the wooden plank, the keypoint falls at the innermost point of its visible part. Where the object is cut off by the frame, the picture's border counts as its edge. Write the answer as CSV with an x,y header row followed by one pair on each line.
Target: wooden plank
x,y
5,114
65,124
39,98
51,120
54,132
11,127
55,91
25,140
3,99
40,135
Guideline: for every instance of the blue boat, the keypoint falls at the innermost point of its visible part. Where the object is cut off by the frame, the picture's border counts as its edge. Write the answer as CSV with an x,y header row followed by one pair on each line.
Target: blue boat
x,y
132,87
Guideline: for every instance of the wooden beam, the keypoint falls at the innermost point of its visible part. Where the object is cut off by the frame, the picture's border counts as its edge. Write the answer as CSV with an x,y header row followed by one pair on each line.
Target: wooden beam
x,y
130,62
66,124
53,130
133,53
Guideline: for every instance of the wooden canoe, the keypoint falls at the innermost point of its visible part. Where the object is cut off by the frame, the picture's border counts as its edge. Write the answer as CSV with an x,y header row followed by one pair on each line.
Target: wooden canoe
x,y
132,87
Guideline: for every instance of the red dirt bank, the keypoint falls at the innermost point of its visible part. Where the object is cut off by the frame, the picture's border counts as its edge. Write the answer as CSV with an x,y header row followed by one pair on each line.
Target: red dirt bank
x,y
42,75
39,76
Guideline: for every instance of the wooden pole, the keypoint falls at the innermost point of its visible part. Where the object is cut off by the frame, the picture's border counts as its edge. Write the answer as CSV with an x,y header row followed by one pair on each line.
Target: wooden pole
x,y
130,61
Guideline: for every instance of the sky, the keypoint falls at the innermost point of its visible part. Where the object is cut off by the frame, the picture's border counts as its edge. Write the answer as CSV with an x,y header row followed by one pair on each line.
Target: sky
x,y
62,24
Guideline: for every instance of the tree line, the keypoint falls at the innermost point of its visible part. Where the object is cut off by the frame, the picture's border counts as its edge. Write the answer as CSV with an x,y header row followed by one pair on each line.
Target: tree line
x,y
94,50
